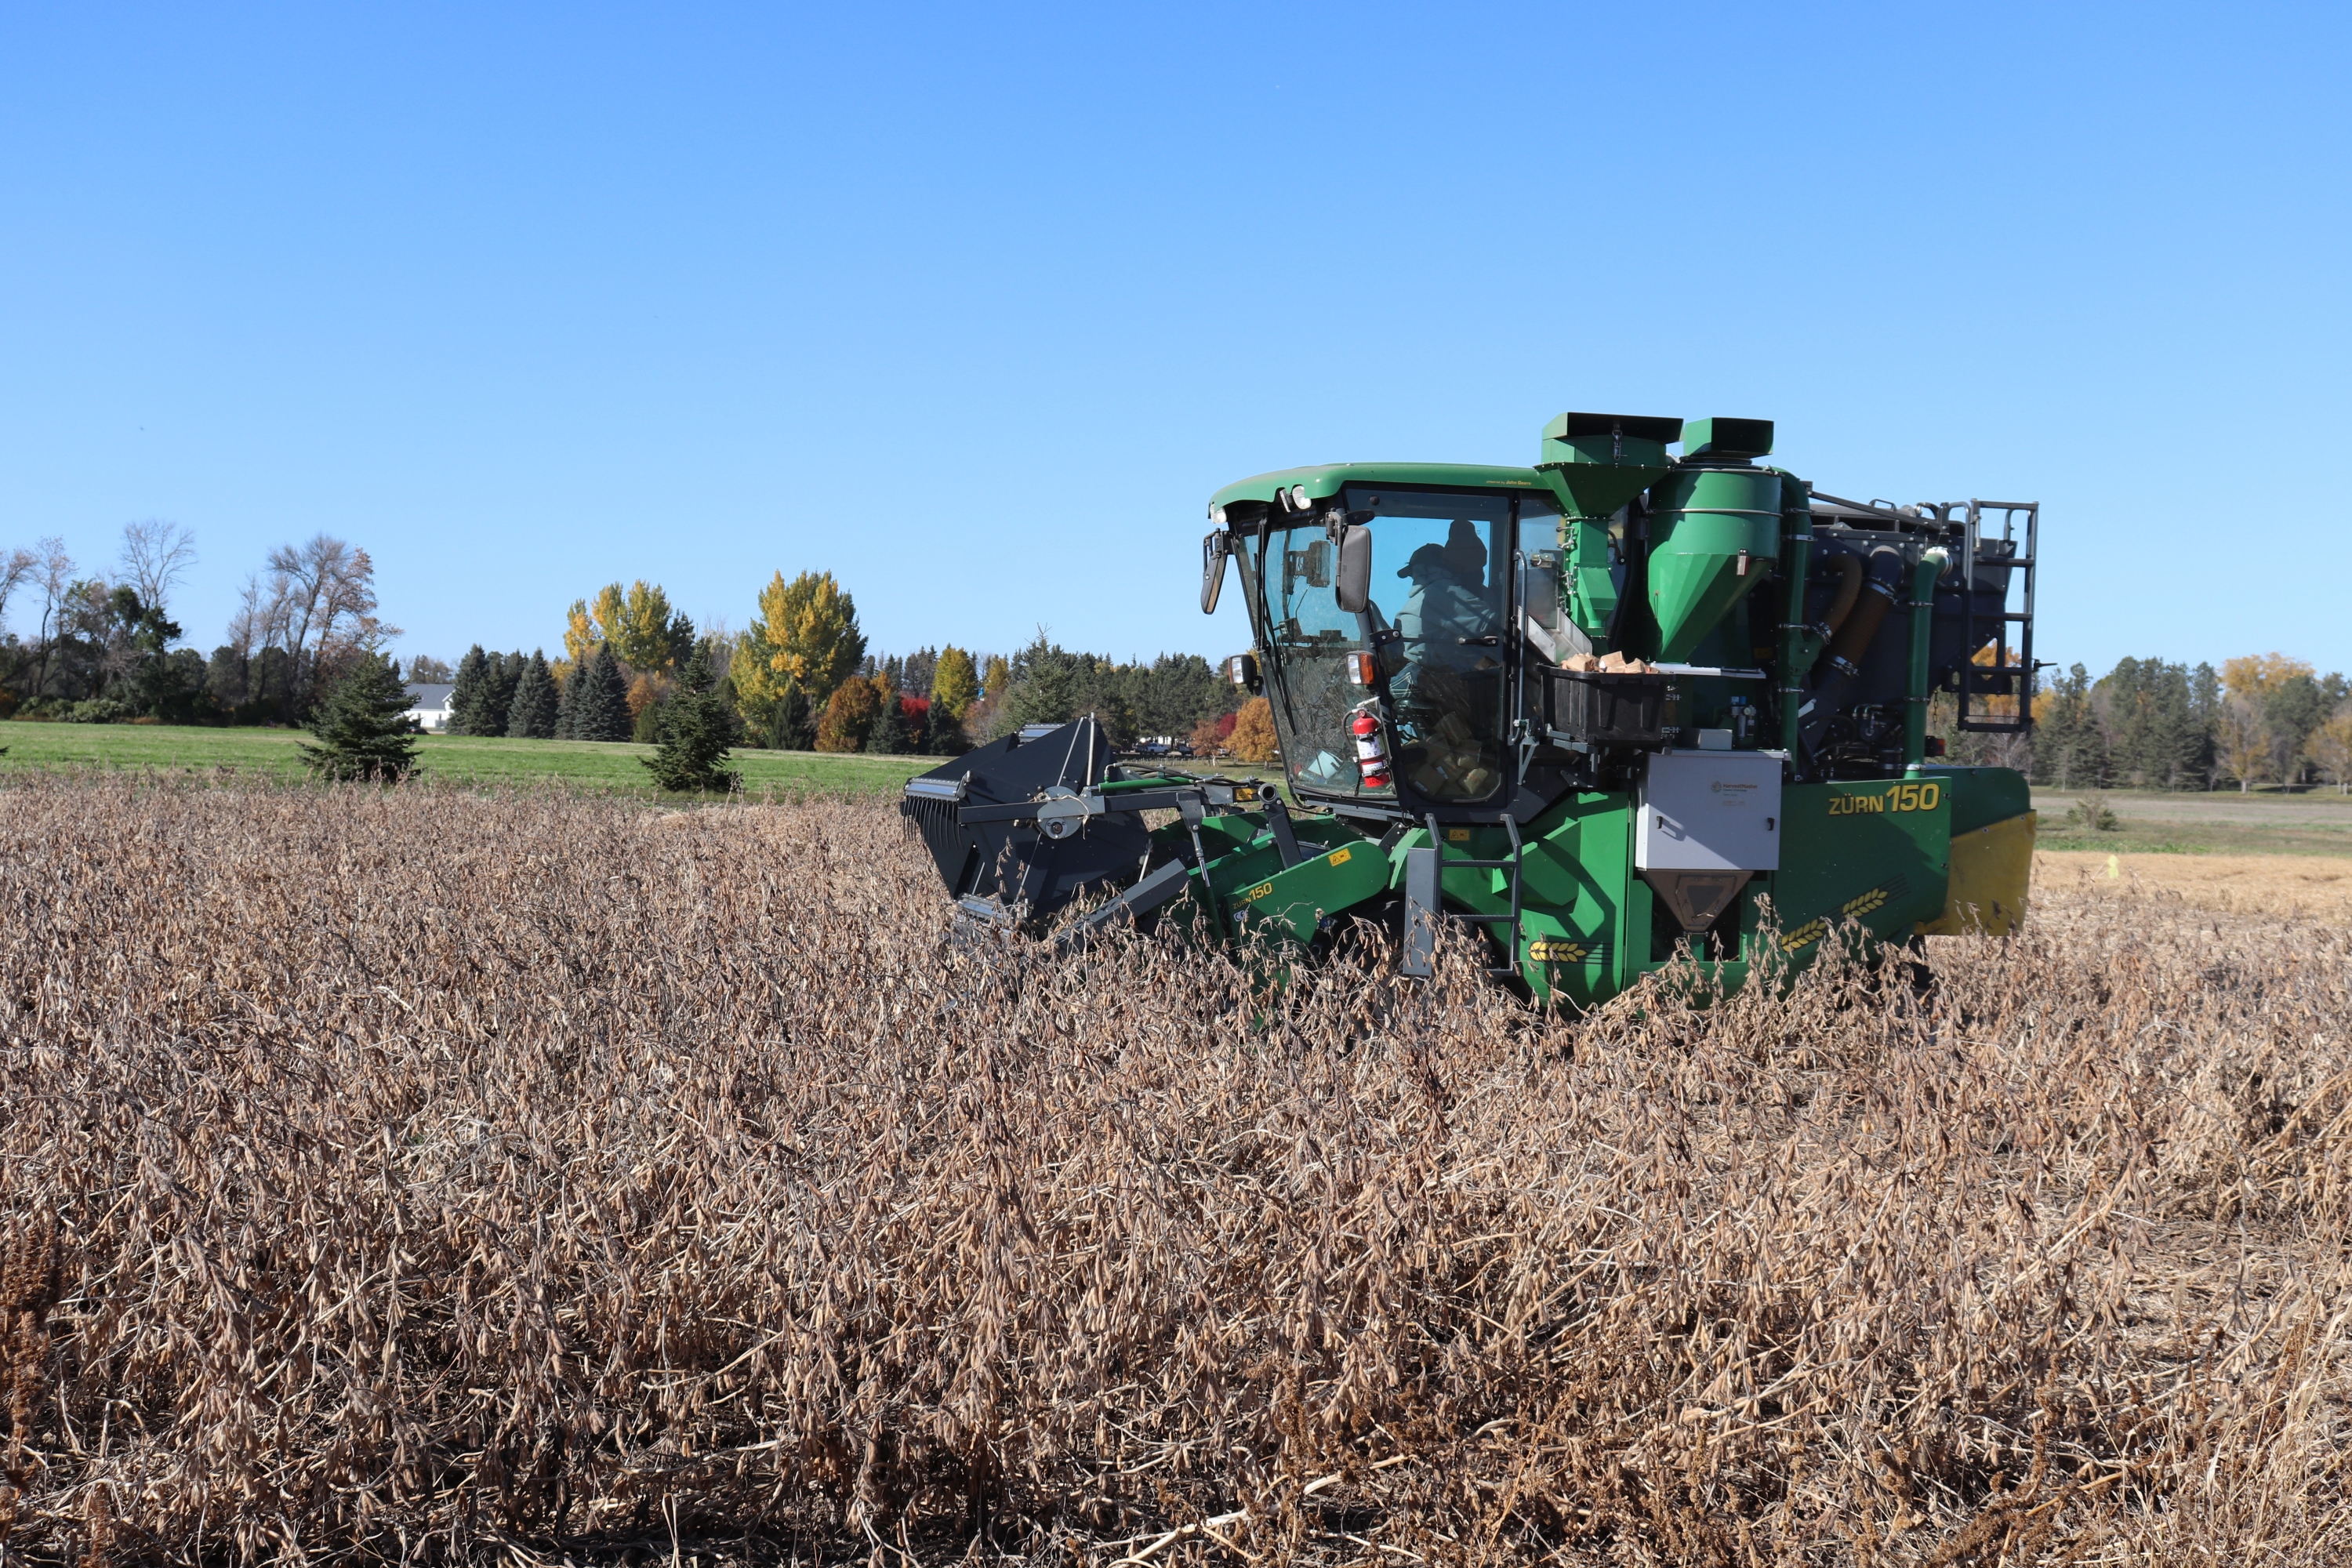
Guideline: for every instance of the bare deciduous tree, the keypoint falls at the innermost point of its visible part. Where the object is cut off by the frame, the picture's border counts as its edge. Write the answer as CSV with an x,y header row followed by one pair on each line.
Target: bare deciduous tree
x,y
16,568
53,568
318,606
155,555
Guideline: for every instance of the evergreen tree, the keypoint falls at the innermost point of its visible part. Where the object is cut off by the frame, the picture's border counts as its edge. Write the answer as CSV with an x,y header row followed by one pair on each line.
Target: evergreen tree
x,y
531,715
943,734
224,677
2205,718
679,638
696,728
922,671
466,696
491,699
501,690
2151,735
794,730
1048,684
2298,706
2068,750
888,736
602,712
1176,692
567,700
363,726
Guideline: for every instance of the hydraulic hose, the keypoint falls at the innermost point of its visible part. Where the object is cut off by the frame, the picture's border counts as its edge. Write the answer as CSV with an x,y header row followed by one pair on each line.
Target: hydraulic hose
x,y
1882,580
1849,589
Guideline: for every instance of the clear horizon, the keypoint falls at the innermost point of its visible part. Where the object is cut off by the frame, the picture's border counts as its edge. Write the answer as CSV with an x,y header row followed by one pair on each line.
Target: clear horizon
x,y
976,311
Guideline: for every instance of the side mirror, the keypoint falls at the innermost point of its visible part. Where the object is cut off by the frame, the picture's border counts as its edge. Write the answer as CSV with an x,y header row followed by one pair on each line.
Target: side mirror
x,y
1242,670
1213,570
1354,588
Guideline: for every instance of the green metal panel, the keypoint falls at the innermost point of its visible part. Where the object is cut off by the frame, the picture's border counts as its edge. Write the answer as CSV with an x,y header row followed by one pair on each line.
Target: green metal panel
x,y
1982,797
1707,519
1923,572
1600,461
1325,479
1875,851
1592,591
1575,888
1721,438
1293,902
1221,836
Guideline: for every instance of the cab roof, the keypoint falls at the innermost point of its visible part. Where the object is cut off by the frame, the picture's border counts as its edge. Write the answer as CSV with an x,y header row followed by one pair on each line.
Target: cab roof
x,y
1326,479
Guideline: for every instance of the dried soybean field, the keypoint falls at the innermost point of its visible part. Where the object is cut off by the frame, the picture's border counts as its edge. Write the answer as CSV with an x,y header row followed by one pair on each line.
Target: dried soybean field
x,y
427,1175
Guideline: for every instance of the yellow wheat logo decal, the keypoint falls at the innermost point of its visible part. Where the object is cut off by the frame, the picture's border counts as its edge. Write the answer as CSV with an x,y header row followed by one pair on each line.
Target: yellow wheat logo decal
x,y
1811,932
1860,904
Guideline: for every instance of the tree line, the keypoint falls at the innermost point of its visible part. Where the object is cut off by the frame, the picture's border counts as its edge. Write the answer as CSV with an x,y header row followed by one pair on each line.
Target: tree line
x,y
802,676
99,646
103,647
2150,724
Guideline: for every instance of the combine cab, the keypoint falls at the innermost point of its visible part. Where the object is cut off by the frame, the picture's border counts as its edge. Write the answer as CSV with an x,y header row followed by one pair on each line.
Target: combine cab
x,y
1601,709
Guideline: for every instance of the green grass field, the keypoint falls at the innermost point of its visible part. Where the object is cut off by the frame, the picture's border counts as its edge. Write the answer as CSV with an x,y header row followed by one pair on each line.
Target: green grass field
x,y
461,760
2221,822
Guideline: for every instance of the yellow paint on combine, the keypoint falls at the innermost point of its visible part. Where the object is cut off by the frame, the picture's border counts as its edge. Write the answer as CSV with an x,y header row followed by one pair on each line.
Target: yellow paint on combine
x,y
1902,797
1991,870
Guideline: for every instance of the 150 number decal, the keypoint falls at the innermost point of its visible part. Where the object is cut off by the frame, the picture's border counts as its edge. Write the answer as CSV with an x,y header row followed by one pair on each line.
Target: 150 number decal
x,y
1902,797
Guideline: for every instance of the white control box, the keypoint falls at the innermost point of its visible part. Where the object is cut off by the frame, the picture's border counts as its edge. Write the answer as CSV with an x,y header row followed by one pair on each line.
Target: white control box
x,y
1708,811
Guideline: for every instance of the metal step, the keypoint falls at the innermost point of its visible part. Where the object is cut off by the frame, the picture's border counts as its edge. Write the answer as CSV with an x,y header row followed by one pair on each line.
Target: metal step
x,y
1425,899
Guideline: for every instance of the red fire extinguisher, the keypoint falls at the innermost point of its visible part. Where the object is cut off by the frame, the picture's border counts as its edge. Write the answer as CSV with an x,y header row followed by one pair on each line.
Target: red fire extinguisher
x,y
1371,745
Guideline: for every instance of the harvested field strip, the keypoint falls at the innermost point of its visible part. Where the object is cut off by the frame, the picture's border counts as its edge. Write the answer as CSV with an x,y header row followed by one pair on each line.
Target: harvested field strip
x,y
2309,887
415,1178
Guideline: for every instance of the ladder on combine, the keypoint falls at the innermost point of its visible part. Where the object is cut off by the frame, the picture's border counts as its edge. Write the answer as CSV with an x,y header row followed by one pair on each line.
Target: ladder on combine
x,y
1989,619
1424,901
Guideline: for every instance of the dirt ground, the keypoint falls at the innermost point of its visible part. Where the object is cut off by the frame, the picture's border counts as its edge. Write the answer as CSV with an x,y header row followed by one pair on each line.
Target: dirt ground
x,y
2304,887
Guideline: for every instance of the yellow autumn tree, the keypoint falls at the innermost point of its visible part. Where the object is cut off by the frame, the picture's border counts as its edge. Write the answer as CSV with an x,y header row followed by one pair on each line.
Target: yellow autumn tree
x,y
636,621
1253,740
954,683
805,635
2259,675
2240,739
581,638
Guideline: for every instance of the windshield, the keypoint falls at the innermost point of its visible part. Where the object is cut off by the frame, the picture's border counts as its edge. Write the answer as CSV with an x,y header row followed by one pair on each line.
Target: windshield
x,y
1440,591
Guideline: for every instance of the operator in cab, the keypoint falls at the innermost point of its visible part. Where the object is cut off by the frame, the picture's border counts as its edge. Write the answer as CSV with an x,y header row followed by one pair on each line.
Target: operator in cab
x,y
1437,691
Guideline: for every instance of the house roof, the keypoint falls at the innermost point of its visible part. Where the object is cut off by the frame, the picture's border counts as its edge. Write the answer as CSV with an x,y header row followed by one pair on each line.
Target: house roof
x,y
429,697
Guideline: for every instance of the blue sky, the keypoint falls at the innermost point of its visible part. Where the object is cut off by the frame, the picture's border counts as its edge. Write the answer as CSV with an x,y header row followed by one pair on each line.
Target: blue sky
x,y
976,306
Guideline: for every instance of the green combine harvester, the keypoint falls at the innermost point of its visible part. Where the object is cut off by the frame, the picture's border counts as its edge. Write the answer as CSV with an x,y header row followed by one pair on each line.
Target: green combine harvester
x,y
1620,706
